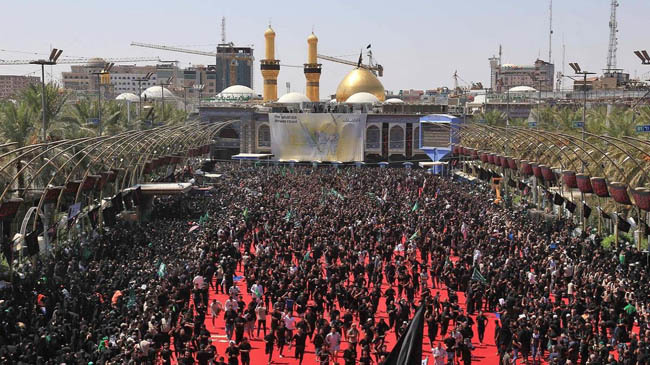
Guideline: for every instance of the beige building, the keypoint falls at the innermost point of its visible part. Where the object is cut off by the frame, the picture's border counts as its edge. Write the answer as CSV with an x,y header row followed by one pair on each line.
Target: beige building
x,y
11,85
123,78
503,77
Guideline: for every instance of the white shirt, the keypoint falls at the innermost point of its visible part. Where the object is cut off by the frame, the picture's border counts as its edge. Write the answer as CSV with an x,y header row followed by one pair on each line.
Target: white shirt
x,y
333,339
232,304
199,282
439,355
289,322
257,288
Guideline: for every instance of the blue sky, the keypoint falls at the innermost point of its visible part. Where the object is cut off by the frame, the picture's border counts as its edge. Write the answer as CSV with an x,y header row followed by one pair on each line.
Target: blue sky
x,y
419,43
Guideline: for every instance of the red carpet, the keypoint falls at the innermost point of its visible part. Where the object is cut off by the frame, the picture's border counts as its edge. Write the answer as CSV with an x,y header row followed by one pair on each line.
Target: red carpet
x,y
484,354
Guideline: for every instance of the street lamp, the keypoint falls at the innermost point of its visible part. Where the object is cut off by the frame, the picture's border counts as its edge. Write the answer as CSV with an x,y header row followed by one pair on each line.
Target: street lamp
x,y
199,88
185,87
578,71
54,56
140,80
162,94
103,77
644,56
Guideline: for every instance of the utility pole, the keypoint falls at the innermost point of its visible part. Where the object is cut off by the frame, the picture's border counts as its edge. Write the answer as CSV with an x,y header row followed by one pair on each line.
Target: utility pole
x,y
140,80
162,95
103,77
185,87
198,88
576,68
54,56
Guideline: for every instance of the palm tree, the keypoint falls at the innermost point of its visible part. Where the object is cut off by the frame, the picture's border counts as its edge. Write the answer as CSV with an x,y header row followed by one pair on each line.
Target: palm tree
x,y
17,125
55,99
77,119
564,118
74,121
493,118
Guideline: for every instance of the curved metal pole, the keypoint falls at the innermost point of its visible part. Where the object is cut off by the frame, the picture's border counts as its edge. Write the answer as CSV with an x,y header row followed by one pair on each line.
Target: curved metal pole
x,y
77,141
42,201
625,152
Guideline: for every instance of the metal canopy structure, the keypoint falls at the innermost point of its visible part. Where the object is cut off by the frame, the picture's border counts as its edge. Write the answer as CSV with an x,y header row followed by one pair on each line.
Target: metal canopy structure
x,y
599,165
56,175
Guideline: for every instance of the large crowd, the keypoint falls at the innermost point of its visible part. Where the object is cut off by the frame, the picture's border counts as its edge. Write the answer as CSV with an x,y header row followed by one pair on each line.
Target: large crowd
x,y
324,266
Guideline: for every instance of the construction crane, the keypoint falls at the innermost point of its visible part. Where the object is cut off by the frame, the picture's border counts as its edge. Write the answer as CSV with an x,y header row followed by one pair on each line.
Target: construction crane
x,y
193,51
376,69
231,58
77,61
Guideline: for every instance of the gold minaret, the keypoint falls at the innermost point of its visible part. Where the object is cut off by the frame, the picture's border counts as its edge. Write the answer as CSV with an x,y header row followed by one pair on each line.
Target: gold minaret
x,y
270,67
312,69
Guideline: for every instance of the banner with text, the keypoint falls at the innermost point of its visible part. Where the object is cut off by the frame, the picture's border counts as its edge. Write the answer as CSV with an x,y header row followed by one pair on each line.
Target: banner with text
x,y
317,136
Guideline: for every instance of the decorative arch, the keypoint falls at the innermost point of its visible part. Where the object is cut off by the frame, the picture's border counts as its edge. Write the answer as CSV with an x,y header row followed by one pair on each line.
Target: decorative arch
x,y
264,136
373,137
396,137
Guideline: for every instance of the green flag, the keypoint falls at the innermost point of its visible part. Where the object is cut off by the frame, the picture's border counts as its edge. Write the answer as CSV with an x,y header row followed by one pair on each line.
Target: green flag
x,y
415,207
132,299
204,218
161,269
245,213
414,236
336,194
630,309
476,275
101,345
288,216
277,195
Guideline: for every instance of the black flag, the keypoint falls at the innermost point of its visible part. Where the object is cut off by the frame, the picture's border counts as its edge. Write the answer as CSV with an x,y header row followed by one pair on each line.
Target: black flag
x,y
622,224
586,210
570,206
368,46
360,59
408,349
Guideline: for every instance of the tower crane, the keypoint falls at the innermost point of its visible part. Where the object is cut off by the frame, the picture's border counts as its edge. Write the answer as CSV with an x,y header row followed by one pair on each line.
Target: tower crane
x,y
192,51
374,68
82,60
232,58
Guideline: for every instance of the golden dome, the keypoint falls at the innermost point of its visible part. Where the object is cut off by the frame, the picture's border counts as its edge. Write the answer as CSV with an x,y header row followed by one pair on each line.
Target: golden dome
x,y
312,38
360,80
269,32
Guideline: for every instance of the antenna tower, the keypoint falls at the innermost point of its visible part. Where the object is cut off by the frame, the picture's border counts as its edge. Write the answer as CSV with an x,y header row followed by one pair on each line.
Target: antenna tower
x,y
613,40
500,51
550,31
223,30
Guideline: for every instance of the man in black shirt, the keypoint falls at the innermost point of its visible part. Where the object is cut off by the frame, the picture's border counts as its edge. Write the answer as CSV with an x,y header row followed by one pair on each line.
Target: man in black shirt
x,y
270,343
204,356
245,349
300,338
349,356
481,322
233,353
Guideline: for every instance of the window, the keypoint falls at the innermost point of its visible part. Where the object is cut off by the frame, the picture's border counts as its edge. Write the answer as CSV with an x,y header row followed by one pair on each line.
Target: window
x,y
396,137
264,136
416,138
373,137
